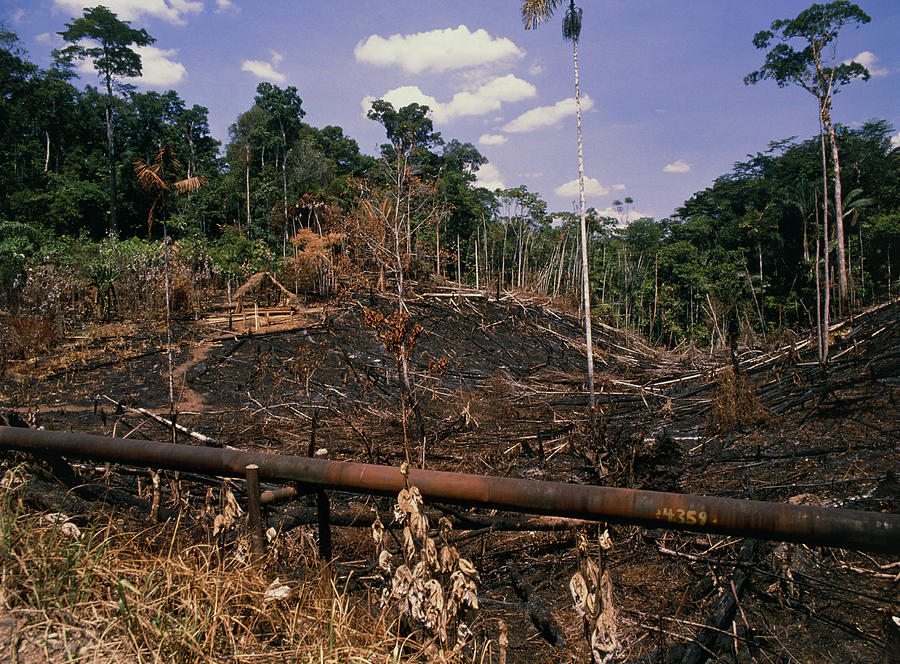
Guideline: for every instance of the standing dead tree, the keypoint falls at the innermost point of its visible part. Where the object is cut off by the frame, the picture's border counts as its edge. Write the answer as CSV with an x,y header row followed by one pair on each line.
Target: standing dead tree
x,y
381,224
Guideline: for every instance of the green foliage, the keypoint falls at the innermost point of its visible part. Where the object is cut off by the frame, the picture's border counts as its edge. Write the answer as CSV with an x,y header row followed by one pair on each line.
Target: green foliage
x,y
409,130
99,36
742,247
815,28
571,25
235,256
284,108
18,243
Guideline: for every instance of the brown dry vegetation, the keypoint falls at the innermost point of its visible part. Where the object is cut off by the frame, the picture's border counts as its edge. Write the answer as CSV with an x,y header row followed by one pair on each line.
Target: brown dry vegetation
x,y
501,392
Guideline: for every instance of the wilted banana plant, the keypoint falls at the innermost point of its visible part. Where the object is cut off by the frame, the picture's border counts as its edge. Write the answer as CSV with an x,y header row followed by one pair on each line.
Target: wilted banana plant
x,y
591,590
434,590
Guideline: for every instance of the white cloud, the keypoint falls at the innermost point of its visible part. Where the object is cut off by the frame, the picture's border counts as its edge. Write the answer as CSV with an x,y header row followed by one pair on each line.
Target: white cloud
x,y
618,187
171,11
895,141
266,70
18,16
613,213
677,166
485,99
50,38
226,6
868,59
536,69
489,177
403,96
546,116
592,187
436,50
492,139
158,70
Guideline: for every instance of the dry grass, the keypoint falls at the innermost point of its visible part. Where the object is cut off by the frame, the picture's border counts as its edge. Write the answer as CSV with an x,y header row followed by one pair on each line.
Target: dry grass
x,y
23,337
88,589
734,404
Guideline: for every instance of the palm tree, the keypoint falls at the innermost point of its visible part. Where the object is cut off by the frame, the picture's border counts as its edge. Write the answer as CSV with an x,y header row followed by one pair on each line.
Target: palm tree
x,y
535,12
159,176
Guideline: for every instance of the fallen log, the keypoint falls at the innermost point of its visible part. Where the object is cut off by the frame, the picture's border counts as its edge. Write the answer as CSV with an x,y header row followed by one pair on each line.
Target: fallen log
x,y
363,518
724,611
206,440
538,611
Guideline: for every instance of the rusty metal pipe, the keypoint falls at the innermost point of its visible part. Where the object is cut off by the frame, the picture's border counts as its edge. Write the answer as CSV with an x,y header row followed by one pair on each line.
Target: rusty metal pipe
x,y
849,529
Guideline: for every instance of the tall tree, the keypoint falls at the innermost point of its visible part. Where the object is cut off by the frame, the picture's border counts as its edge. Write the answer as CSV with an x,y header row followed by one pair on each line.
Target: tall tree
x,y
535,12
99,36
411,135
285,113
816,29
248,137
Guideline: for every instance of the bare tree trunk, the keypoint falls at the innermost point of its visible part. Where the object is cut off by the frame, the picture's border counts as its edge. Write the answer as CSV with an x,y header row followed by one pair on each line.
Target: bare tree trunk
x,y
585,277
168,322
247,158
520,246
284,190
838,204
437,250
229,303
458,263
477,280
862,265
47,152
625,277
503,258
190,140
605,269
762,291
487,262
111,164
655,295
562,258
819,305
805,240
826,308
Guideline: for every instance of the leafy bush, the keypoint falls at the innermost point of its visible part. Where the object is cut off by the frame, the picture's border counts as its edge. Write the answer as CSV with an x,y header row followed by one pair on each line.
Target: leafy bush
x,y
235,256
17,244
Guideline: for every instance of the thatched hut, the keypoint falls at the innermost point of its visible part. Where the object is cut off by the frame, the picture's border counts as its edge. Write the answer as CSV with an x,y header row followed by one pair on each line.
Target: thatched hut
x,y
263,290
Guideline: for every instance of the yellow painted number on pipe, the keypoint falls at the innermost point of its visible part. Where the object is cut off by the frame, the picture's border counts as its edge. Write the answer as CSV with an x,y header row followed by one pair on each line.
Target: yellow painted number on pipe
x,y
678,515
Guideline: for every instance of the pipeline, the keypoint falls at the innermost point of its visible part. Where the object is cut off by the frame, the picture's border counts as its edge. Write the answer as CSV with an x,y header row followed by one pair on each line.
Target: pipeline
x,y
848,529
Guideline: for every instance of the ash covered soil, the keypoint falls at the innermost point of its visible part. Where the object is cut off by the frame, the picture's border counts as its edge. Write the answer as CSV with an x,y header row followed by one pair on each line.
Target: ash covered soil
x,y
501,391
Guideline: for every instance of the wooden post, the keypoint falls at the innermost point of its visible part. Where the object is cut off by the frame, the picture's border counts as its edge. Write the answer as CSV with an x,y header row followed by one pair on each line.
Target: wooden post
x,y
324,509
323,505
254,515
458,267
229,303
477,281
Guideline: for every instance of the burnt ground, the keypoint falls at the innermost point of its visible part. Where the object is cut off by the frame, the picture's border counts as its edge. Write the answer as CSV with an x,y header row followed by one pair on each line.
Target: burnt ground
x,y
501,391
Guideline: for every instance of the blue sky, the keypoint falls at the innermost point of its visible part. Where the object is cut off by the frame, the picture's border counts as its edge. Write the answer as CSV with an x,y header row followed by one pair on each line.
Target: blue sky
x,y
666,109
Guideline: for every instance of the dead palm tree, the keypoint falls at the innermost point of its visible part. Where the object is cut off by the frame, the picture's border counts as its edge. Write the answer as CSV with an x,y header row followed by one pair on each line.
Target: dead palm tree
x,y
159,176
535,12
